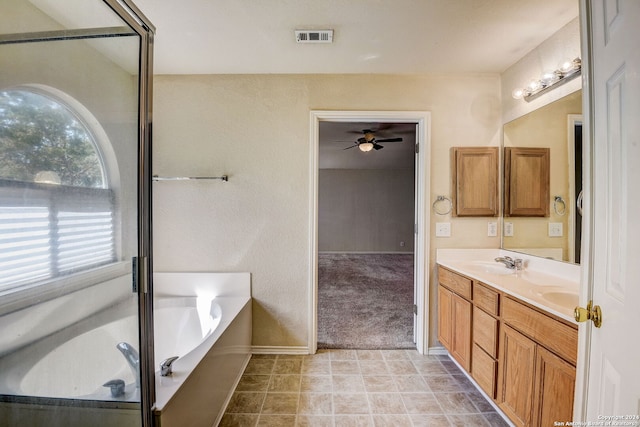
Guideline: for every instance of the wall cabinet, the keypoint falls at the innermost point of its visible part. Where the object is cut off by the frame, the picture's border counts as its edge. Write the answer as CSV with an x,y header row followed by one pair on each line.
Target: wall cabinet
x,y
474,181
526,181
522,357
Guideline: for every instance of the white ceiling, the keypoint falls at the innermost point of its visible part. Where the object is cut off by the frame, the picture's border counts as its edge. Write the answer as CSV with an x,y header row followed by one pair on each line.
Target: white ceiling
x,y
371,36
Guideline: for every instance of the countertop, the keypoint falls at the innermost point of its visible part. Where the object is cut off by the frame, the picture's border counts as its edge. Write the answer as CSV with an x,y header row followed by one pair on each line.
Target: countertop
x,y
549,285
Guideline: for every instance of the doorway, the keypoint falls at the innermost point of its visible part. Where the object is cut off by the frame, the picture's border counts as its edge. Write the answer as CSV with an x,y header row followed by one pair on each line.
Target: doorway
x,y
367,254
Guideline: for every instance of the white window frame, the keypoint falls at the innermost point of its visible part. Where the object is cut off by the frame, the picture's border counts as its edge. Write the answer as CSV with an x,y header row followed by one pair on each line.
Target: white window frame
x,y
56,197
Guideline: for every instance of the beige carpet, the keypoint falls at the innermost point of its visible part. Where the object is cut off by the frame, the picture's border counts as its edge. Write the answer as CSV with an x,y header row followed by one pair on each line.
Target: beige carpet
x,y
365,301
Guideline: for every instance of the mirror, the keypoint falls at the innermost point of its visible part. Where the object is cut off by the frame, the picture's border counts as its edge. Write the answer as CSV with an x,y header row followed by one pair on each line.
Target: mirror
x,y
557,126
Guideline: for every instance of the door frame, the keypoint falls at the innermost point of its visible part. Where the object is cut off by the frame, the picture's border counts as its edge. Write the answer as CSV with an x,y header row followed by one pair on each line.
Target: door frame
x,y
421,248
572,121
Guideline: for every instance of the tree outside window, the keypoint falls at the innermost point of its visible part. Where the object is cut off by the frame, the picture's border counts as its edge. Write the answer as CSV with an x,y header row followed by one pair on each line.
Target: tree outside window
x,y
42,140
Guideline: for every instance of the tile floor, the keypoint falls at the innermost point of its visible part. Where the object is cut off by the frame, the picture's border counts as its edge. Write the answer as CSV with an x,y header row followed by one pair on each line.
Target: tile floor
x,y
357,388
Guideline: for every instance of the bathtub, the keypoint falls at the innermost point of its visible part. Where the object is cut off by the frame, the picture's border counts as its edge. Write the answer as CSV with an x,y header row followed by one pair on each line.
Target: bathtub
x,y
202,318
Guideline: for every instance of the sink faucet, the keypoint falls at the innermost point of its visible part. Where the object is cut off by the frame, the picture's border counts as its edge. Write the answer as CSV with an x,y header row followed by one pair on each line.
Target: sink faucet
x,y
133,359
511,263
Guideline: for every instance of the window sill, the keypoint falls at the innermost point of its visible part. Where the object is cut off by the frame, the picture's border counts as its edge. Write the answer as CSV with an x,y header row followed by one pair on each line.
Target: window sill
x,y
28,295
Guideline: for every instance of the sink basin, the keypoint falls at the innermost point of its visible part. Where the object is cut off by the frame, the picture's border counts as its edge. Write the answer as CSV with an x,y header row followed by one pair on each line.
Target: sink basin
x,y
491,267
563,297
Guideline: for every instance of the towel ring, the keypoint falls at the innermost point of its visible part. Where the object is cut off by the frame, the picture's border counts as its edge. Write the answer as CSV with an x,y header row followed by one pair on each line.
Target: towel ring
x,y
442,211
557,200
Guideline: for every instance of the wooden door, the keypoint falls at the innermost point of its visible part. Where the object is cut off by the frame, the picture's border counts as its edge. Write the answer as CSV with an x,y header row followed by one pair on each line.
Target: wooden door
x,y
526,181
461,340
554,389
445,318
475,181
516,376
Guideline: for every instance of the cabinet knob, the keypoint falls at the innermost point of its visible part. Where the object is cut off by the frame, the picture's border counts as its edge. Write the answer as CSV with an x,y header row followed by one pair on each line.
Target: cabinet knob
x,y
592,312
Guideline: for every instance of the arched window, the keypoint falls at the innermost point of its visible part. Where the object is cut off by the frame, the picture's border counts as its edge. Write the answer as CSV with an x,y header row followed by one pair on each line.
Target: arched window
x,y
56,210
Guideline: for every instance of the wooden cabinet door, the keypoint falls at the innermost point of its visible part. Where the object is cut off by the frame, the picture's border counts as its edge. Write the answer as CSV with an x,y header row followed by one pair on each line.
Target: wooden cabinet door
x,y
516,376
445,319
526,181
461,339
475,181
554,387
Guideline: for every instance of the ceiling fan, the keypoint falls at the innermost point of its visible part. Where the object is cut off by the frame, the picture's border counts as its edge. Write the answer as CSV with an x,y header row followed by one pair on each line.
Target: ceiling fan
x,y
369,142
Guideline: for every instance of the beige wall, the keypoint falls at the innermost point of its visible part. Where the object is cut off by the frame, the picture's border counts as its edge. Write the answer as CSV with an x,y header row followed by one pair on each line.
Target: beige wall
x,y
256,129
366,210
564,44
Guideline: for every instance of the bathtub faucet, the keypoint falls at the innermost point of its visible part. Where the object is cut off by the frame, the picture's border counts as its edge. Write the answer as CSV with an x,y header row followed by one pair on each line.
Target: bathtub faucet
x,y
133,359
166,367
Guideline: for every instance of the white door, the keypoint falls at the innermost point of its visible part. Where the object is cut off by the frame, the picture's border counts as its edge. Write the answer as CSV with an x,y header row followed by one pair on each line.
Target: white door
x,y
611,363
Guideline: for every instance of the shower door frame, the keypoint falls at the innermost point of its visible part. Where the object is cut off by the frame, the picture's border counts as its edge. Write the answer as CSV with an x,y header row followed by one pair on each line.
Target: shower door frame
x,y
143,266
143,283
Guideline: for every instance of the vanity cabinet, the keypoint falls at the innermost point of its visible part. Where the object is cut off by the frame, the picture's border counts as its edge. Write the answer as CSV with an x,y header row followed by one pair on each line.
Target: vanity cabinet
x,y
521,356
454,315
475,181
484,368
537,366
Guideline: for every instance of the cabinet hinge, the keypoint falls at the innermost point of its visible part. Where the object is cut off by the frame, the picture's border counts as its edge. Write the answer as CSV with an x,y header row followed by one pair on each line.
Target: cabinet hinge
x,y
417,148
415,309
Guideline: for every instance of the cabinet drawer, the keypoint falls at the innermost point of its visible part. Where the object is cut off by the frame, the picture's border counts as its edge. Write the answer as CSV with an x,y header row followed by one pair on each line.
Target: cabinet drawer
x,y
457,283
558,337
485,331
486,299
484,369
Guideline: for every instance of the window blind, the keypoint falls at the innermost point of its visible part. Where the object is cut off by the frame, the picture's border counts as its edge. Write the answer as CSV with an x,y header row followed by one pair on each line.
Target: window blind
x,y
48,231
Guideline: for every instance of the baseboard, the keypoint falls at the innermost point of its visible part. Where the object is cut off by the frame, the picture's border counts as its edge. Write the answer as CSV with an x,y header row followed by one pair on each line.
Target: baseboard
x,y
437,351
365,252
268,349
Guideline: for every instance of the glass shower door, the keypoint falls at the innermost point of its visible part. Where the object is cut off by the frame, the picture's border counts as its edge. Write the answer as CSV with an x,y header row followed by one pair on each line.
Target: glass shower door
x,y
75,316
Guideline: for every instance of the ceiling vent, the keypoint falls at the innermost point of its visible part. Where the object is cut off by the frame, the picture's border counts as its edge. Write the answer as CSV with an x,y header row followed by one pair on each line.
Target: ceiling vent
x,y
314,36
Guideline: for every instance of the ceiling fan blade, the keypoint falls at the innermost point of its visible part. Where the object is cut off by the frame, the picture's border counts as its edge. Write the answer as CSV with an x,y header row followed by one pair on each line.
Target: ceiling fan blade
x,y
353,146
377,147
389,140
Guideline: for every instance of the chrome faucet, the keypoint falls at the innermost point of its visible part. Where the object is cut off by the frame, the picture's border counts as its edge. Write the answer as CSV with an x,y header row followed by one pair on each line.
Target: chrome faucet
x,y
511,263
133,359
507,261
166,367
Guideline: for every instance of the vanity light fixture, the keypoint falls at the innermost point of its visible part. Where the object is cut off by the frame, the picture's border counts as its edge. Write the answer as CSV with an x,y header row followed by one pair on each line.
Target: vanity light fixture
x,y
567,70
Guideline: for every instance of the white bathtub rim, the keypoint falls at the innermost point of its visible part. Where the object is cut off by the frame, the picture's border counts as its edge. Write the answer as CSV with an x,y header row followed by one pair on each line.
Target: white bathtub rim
x,y
166,387
174,283
24,362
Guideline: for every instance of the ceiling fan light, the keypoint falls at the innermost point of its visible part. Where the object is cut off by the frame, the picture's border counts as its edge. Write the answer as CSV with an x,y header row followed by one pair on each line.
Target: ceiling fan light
x,y
365,146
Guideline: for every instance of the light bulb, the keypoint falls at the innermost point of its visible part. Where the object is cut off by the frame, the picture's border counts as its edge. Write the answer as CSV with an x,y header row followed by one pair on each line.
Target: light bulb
x,y
366,146
566,65
548,77
533,85
517,93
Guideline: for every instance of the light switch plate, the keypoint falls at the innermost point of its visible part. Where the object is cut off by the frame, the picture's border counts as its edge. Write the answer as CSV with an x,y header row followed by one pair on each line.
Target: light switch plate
x,y
555,229
508,229
492,229
443,229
